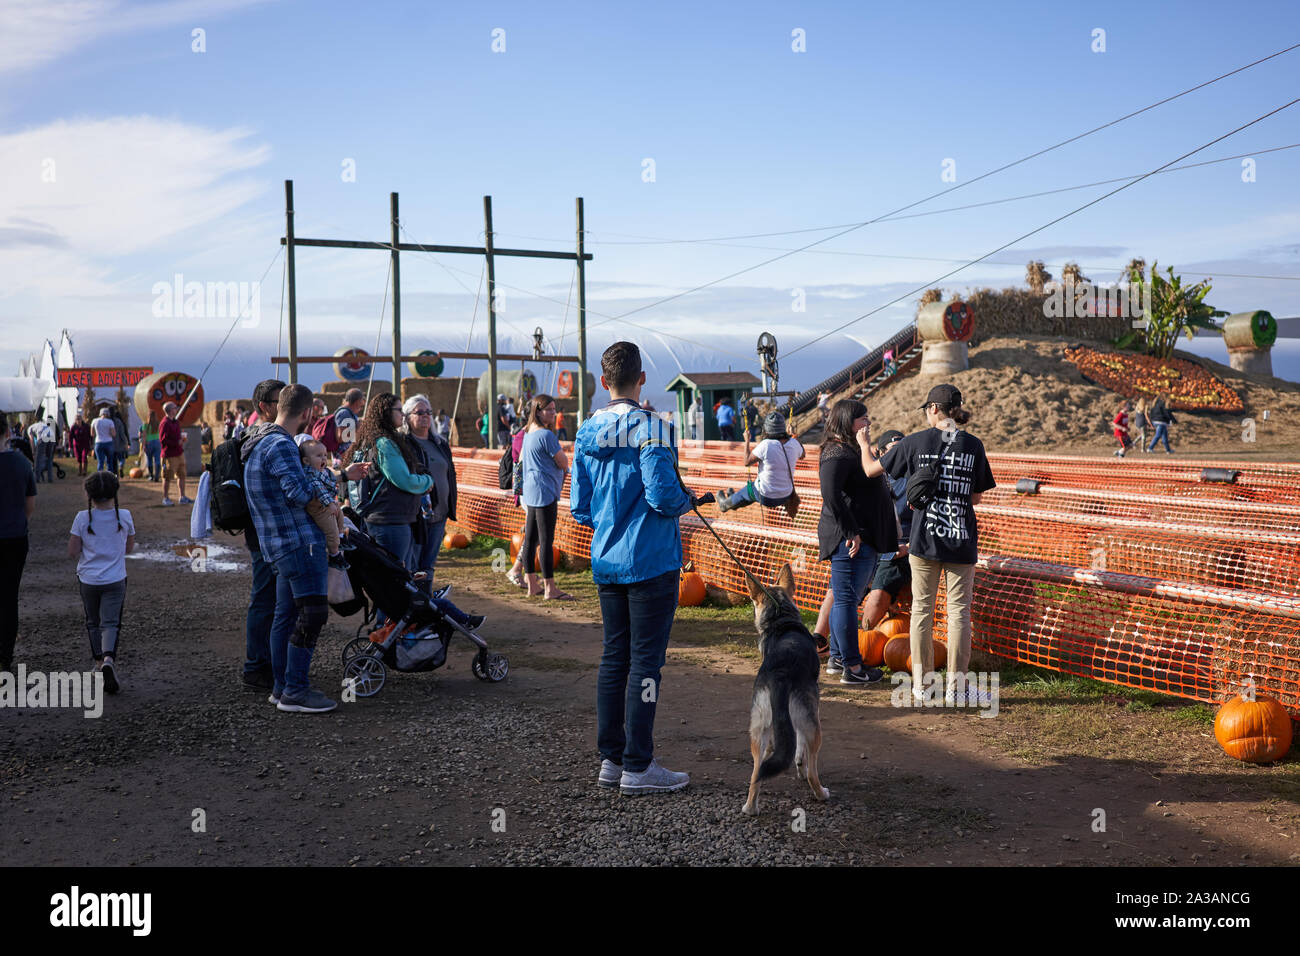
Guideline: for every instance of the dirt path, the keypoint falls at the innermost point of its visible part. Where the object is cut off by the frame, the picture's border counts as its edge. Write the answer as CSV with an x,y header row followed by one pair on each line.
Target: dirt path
x,y
420,773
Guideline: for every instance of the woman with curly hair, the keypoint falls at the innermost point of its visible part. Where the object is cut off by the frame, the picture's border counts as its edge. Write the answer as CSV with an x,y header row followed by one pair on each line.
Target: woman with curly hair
x,y
388,498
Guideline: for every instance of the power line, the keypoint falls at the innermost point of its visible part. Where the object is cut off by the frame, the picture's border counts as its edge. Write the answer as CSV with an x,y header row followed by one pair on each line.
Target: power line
x,y
1046,225
635,240
992,172
590,311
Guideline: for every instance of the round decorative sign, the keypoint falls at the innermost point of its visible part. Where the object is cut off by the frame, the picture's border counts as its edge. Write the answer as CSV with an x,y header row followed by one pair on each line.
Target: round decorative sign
x,y
428,369
958,321
353,365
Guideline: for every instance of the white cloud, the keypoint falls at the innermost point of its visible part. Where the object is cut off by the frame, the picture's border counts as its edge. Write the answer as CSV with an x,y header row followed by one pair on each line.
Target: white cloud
x,y
120,185
39,31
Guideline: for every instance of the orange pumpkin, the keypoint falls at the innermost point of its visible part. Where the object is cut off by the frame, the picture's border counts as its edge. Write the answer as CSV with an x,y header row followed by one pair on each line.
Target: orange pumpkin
x,y
894,626
940,656
871,645
1257,731
898,651
516,542
691,591
136,472
556,554
455,539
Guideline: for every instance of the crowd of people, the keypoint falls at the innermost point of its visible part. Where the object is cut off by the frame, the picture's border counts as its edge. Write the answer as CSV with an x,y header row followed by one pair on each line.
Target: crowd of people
x,y
392,463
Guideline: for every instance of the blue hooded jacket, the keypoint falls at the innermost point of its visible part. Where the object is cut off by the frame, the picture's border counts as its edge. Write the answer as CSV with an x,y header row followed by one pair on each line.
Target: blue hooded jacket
x,y
624,487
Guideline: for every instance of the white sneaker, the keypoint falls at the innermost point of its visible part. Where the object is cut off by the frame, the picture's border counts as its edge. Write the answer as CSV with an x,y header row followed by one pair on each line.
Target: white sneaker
x,y
653,779
610,774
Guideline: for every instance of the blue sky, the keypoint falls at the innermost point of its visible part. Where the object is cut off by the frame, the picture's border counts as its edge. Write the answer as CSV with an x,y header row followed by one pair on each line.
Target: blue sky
x,y
170,161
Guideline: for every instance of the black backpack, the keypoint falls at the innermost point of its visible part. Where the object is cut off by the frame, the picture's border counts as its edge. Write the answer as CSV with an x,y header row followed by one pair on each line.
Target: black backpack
x,y
229,504
506,469
923,483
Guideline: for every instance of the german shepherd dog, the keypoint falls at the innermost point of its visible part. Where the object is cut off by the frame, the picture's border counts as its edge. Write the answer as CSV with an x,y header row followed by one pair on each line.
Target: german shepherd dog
x,y
784,727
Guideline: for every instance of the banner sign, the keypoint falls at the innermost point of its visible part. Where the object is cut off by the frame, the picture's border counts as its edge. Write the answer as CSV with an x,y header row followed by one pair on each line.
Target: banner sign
x,y
102,377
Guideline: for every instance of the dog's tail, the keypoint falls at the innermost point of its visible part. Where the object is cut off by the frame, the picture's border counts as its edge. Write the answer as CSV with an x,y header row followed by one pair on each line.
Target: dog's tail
x,y
782,732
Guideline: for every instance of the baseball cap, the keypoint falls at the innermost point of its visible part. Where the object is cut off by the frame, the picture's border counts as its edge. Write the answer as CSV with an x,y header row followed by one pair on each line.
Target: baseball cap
x,y
943,395
501,397
890,436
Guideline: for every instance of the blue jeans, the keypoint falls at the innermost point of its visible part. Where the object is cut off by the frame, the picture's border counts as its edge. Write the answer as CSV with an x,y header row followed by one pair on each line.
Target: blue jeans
x,y
104,455
301,610
638,619
850,578
397,539
153,451
261,611
425,556
45,461
1162,434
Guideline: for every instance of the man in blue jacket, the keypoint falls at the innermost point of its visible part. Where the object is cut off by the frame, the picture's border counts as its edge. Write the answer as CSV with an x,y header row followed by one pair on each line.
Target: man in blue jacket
x,y
625,488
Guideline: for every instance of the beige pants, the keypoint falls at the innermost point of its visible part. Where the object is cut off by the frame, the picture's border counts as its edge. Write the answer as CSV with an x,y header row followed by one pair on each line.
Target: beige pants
x,y
959,581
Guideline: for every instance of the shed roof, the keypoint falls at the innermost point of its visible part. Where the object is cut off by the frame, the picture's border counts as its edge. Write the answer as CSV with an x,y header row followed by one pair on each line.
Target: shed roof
x,y
713,380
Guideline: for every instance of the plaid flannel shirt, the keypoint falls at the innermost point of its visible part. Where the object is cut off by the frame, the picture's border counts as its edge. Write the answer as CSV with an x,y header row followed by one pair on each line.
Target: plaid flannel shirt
x,y
278,489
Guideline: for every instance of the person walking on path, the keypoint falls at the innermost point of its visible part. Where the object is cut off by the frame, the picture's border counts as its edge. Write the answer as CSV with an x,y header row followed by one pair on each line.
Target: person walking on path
x,y
435,459
1161,418
80,442
104,430
945,534
153,446
17,504
855,527
625,488
543,463
172,439
257,671
1121,425
442,425
278,490
44,440
1140,423
121,443
102,536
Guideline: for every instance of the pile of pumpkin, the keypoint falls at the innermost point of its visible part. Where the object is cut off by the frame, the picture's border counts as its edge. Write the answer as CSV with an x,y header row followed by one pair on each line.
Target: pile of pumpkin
x,y
1190,387
890,644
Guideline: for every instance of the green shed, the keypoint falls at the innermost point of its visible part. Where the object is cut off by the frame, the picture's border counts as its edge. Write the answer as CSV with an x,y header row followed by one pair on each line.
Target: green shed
x,y
708,388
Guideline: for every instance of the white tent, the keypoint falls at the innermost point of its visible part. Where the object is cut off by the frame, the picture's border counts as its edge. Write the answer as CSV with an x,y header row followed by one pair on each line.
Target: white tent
x,y
22,394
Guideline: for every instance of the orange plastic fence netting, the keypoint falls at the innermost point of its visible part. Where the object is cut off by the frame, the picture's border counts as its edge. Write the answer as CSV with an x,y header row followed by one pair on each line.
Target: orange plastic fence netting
x,y
1139,573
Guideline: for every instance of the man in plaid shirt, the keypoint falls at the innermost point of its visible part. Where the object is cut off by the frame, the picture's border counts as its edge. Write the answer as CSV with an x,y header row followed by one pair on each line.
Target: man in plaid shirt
x,y
278,489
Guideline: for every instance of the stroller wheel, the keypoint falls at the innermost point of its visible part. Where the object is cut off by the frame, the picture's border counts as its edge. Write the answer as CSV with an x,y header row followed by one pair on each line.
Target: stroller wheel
x,y
365,675
355,647
490,667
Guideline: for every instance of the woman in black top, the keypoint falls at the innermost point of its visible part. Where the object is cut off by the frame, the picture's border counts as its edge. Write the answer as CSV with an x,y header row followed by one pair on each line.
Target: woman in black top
x,y
945,535
856,526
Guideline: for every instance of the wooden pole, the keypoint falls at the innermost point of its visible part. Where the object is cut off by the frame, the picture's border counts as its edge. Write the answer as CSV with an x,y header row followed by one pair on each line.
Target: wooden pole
x,y
584,400
492,323
293,281
397,301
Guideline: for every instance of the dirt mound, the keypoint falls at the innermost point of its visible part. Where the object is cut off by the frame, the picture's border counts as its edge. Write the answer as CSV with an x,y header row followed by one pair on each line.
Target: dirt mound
x,y
1025,396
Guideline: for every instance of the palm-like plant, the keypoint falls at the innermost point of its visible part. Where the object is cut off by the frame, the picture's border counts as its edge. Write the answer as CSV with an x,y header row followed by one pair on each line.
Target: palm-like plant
x,y
1172,310
1037,276
1071,274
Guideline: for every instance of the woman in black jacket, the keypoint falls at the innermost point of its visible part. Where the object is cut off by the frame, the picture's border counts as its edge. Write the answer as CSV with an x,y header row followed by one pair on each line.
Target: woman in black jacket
x,y
856,526
1161,417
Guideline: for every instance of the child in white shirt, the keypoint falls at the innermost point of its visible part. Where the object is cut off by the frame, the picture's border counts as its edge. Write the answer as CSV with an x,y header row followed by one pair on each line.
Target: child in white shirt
x,y
776,456
100,542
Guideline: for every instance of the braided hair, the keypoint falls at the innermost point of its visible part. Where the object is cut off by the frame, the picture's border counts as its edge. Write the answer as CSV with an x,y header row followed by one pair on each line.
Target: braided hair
x,y
101,486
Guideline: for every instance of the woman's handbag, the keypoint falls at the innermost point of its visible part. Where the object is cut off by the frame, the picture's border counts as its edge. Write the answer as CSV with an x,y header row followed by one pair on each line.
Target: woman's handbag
x,y
339,587
791,503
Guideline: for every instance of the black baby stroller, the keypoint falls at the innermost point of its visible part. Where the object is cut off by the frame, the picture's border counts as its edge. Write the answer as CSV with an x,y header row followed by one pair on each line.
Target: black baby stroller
x,y
416,635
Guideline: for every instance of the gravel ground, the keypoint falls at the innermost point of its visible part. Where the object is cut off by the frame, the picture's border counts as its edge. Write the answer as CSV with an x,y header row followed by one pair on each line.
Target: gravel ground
x,y
429,770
